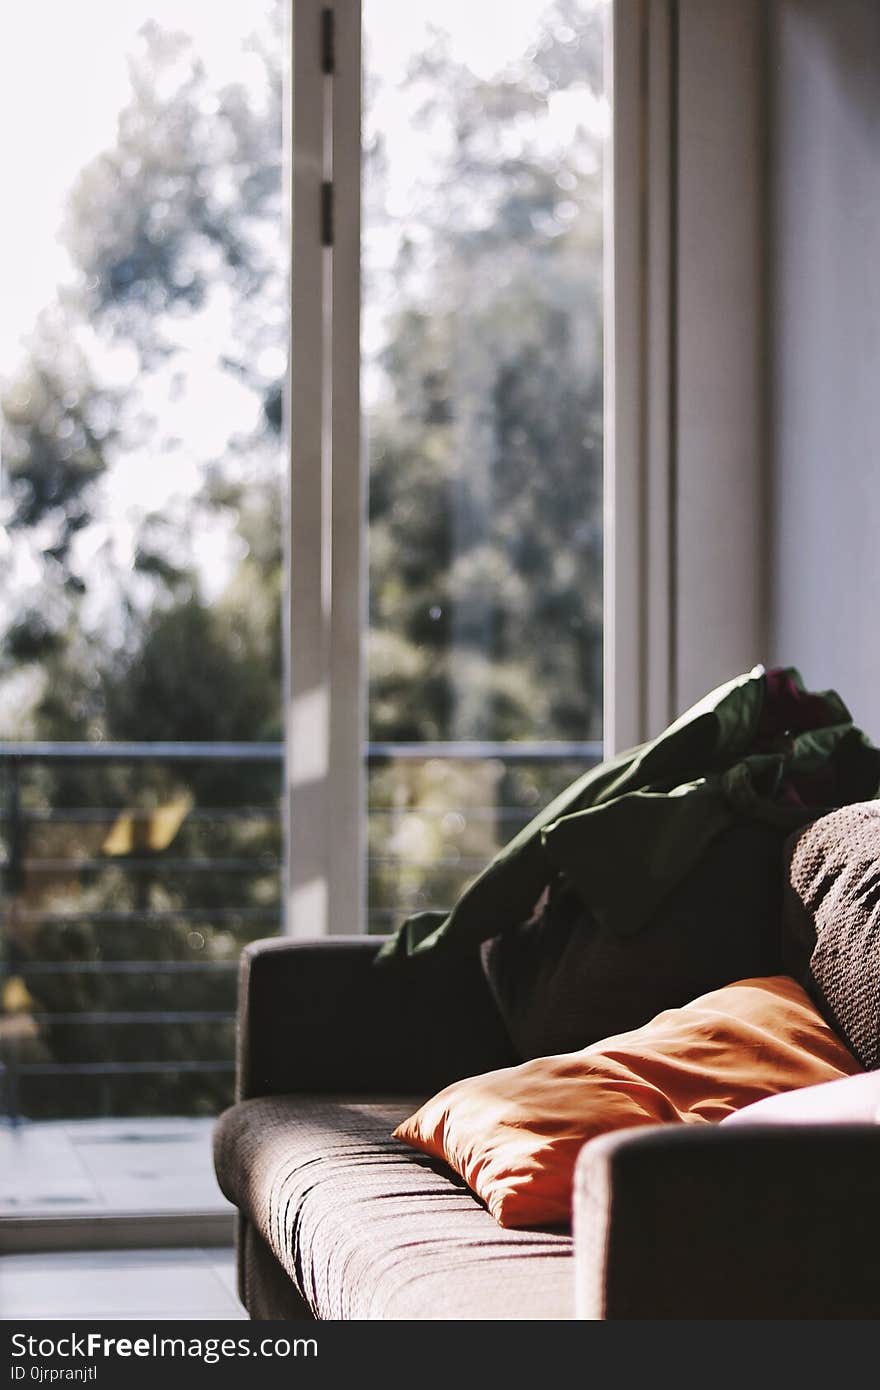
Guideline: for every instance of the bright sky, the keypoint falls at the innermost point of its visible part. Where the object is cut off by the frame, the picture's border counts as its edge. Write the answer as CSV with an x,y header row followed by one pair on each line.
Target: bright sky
x,y
63,81
64,78
486,34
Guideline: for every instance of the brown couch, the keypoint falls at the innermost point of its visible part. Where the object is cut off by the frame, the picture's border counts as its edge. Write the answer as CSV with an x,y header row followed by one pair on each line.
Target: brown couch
x,y
339,1221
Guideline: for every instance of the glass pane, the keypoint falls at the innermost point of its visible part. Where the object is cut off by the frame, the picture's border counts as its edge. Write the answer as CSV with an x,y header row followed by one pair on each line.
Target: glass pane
x,y
142,354
485,129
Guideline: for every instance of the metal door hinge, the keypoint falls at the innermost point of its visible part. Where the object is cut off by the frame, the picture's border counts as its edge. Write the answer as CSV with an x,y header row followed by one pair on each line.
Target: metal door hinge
x,y
328,40
326,214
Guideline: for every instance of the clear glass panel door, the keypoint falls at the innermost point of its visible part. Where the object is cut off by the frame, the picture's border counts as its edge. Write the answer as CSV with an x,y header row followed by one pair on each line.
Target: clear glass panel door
x,y
485,129
142,355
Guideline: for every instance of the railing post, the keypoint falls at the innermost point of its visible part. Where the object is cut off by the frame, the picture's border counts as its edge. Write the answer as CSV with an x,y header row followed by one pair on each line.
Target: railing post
x,y
14,872
12,1080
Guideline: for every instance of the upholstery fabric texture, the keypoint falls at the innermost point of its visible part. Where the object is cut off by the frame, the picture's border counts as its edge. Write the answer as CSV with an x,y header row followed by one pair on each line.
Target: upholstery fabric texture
x,y
514,1135
729,1221
316,1015
831,922
265,1289
366,1229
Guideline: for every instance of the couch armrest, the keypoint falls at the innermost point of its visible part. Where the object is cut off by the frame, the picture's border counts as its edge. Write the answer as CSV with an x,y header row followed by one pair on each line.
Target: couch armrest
x,y
757,1221
322,1016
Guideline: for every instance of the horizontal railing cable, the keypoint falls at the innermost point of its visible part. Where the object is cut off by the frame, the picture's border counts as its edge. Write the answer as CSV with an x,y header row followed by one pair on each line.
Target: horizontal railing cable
x,y
24,865
122,1068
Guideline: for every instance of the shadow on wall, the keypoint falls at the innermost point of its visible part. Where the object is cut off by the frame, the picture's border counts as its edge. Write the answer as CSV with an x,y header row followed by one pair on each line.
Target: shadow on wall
x,y
824,193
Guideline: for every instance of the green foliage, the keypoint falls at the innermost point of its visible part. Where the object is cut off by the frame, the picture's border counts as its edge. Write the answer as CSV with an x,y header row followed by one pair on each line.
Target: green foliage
x,y
485,452
189,653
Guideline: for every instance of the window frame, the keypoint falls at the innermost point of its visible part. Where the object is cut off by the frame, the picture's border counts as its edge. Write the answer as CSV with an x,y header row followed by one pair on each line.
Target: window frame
x,y
326,589
685,413
325,532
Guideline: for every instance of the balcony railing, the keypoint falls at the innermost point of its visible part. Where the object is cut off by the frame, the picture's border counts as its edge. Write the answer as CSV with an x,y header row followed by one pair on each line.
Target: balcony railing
x,y
134,873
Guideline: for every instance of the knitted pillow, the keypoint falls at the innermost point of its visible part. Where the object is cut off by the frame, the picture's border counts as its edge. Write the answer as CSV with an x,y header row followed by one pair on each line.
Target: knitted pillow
x,y
831,922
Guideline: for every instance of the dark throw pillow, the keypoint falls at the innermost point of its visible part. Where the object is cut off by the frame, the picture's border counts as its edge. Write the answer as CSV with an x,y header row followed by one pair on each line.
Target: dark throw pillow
x,y
831,922
562,981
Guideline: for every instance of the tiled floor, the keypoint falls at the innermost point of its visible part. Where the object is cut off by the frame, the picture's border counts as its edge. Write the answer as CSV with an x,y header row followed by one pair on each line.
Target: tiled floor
x,y
81,1167
85,1168
154,1285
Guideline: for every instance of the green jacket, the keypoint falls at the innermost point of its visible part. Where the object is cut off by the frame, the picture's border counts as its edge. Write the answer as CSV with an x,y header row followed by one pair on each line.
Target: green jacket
x,y
626,832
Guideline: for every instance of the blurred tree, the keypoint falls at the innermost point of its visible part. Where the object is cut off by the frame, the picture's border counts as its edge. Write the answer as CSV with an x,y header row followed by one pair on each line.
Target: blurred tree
x,y
485,477
485,450
176,238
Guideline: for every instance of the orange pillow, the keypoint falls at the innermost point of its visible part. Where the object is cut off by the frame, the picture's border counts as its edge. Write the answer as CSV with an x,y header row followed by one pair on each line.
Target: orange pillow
x,y
514,1135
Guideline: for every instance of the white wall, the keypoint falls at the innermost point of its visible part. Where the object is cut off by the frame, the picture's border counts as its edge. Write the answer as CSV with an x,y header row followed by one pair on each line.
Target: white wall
x,y
719,325
685,319
824,445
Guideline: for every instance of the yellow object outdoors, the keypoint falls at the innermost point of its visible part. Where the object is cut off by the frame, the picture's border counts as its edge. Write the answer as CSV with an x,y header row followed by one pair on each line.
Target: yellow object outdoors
x,y
136,831
15,997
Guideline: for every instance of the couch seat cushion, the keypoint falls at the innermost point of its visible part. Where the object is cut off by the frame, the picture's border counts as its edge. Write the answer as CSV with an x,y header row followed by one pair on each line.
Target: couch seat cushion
x,y
369,1229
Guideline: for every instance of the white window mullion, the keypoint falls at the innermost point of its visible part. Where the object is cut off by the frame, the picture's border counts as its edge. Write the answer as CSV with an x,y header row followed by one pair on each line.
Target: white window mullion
x,y
623,659
324,734
347,846
639,405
